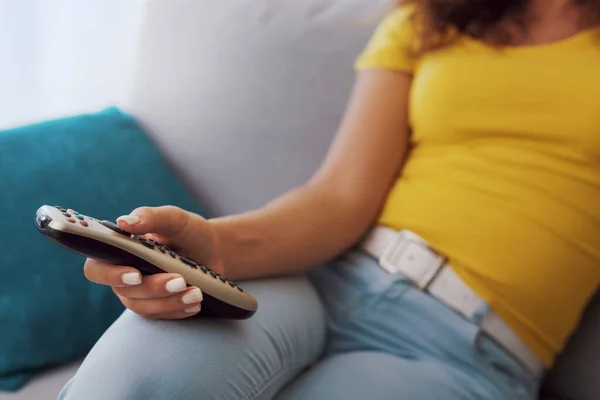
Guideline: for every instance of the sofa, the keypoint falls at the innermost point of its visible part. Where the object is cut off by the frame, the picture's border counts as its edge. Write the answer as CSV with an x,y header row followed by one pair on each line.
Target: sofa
x,y
243,97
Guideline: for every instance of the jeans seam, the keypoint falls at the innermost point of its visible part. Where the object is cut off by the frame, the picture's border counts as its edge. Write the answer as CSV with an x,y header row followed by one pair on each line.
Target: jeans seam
x,y
258,390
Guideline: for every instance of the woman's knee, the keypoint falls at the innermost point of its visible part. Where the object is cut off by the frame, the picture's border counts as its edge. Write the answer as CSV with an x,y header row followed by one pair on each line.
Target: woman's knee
x,y
143,359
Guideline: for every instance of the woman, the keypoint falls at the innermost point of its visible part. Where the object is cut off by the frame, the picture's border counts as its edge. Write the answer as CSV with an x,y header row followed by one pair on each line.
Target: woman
x,y
472,131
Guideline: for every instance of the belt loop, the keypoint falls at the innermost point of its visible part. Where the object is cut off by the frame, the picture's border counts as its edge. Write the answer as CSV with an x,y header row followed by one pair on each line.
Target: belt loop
x,y
480,313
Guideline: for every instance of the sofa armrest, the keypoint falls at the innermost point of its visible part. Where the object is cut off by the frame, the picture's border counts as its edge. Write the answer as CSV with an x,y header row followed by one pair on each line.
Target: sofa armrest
x,y
577,371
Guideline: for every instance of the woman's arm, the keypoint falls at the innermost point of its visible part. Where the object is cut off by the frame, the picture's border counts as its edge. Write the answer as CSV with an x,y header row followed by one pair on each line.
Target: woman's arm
x,y
301,229
317,221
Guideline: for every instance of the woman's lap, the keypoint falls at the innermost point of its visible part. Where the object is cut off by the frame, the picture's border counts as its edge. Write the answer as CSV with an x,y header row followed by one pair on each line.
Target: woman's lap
x,y
374,375
208,359
384,332
362,331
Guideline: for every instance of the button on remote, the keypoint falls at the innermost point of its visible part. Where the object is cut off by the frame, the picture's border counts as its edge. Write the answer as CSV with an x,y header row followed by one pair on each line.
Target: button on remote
x,y
114,227
188,262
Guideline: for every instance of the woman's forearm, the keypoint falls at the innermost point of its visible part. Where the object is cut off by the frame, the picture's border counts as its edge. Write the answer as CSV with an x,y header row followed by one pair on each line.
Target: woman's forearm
x,y
295,232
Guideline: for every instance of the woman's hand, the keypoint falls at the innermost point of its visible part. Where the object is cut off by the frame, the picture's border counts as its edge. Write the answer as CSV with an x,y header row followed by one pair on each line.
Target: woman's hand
x,y
165,295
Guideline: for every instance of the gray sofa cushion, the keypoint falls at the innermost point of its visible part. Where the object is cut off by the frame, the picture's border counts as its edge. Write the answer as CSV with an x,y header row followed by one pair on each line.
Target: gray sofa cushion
x,y
244,97
45,386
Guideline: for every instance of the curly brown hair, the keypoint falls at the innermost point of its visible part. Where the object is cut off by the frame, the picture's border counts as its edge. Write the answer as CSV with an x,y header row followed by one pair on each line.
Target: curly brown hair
x,y
495,21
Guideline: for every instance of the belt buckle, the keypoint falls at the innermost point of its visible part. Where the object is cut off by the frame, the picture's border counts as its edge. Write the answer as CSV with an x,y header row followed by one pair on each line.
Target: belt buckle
x,y
411,256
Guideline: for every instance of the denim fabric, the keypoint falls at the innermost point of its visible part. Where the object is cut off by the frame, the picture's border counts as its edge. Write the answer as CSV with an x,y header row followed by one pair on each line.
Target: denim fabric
x,y
357,332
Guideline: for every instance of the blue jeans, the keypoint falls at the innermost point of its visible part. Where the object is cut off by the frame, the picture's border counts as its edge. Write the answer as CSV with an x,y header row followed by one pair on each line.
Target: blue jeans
x,y
353,332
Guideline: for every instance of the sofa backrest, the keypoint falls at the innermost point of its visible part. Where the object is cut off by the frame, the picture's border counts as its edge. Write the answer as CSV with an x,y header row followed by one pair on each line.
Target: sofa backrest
x,y
244,97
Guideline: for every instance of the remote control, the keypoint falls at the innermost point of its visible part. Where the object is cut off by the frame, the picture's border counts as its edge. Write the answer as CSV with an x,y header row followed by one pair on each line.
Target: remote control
x,y
104,240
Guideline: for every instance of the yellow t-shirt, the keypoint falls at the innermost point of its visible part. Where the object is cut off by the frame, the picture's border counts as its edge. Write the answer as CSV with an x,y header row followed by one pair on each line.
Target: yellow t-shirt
x,y
504,173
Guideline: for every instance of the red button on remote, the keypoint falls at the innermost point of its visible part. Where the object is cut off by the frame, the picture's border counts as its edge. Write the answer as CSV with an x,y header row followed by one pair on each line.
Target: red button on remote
x,y
84,223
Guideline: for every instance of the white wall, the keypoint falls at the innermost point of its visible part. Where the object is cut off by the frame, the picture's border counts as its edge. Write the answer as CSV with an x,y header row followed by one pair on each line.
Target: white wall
x,y
59,57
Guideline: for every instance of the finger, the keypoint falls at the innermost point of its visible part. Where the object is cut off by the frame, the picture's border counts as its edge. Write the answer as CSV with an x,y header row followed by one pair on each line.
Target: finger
x,y
189,312
111,275
154,287
187,300
166,220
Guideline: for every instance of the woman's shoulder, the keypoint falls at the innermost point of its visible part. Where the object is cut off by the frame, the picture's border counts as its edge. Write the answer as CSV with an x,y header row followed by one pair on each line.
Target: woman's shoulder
x,y
401,21
403,13
395,41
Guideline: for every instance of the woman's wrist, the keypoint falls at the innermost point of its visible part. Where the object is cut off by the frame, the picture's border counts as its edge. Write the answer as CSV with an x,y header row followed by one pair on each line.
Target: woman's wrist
x,y
225,251
216,259
236,246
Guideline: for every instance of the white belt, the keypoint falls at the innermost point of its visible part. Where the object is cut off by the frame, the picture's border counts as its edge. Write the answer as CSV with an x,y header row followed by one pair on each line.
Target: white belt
x,y
406,253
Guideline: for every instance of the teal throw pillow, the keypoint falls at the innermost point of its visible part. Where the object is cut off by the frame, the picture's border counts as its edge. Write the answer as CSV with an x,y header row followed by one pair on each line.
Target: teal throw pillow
x,y
102,165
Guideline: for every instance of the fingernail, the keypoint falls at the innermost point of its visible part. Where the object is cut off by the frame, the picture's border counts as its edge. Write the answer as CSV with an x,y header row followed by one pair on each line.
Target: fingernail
x,y
192,310
129,219
176,285
193,296
131,278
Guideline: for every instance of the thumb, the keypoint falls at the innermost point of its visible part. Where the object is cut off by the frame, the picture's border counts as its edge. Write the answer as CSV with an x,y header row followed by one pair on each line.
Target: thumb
x,y
166,220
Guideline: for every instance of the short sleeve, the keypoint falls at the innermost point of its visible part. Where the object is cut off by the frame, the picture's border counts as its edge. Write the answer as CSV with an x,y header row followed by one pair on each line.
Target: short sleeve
x,y
393,44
